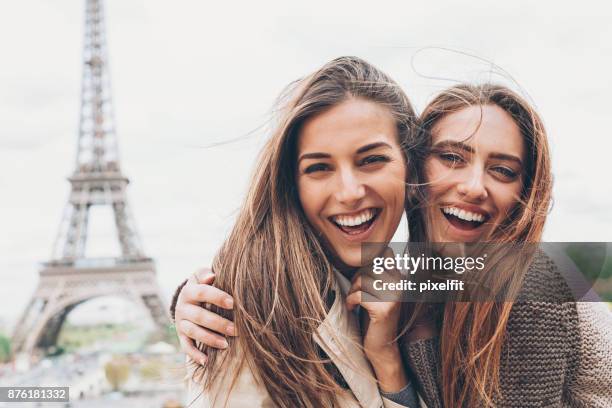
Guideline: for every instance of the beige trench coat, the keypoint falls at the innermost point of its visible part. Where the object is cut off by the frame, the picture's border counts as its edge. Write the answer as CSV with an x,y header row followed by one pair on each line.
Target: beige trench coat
x,y
339,337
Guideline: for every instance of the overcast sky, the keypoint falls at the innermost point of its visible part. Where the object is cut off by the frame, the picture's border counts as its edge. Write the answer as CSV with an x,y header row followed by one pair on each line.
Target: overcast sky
x,y
188,74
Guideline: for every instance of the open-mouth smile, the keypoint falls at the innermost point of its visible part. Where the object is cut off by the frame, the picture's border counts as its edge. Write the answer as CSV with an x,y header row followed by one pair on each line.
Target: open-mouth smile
x,y
463,219
356,224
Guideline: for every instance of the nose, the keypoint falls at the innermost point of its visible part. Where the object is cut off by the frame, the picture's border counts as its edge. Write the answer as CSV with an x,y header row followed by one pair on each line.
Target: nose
x,y
472,187
350,189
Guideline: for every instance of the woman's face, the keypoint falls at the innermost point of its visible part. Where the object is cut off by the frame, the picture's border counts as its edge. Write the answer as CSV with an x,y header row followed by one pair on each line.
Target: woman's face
x,y
351,176
475,173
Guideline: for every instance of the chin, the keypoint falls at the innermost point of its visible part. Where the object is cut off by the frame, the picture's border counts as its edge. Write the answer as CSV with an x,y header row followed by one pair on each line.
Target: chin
x,y
349,260
354,262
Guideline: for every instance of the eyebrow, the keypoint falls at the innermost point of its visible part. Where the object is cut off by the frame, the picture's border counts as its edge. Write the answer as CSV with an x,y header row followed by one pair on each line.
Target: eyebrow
x,y
314,156
362,149
452,143
372,146
470,149
503,156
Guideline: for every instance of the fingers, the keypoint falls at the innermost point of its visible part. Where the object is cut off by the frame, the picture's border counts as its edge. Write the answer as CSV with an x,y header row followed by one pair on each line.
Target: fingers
x,y
204,276
388,253
365,300
189,348
394,272
353,299
207,319
204,293
356,284
195,332
365,285
361,293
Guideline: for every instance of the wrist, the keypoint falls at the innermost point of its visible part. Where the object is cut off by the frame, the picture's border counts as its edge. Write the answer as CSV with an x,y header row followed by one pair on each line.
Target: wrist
x,y
387,354
391,375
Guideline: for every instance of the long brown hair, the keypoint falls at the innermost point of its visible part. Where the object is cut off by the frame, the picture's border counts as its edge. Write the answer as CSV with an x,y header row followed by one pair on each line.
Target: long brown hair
x,y
273,263
472,333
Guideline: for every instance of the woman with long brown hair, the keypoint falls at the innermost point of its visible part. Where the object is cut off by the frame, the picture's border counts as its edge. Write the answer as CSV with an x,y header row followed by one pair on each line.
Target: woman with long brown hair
x,y
483,174
486,164
331,176
485,159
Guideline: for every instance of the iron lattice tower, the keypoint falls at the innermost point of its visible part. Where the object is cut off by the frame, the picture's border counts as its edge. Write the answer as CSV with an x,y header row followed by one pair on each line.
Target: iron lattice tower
x,y
70,277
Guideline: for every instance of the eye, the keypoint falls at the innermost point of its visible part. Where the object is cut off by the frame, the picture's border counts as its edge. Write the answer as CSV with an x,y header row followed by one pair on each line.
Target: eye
x,y
316,167
506,172
451,157
375,159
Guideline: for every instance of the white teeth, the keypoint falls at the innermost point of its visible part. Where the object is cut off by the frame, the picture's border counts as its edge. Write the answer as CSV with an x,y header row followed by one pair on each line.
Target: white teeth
x,y
354,220
464,215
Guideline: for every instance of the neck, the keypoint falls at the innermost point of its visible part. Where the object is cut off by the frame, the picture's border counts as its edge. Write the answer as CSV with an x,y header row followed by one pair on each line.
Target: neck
x,y
346,270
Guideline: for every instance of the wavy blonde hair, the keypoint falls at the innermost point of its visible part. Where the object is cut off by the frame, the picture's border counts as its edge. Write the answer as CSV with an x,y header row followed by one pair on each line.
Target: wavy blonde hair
x,y
274,264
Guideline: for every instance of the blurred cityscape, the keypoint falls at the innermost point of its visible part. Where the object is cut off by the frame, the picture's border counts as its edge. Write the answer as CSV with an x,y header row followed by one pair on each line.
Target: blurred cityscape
x,y
103,364
125,359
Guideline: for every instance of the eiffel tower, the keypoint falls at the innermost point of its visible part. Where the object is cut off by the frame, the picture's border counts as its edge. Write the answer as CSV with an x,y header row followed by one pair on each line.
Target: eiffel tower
x,y
70,277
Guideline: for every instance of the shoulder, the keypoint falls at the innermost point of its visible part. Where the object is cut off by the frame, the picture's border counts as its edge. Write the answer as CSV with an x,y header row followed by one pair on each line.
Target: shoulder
x,y
595,318
592,383
544,311
595,325
546,279
555,337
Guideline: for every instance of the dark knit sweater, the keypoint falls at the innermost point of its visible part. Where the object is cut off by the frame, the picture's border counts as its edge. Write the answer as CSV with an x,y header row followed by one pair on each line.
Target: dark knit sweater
x,y
547,357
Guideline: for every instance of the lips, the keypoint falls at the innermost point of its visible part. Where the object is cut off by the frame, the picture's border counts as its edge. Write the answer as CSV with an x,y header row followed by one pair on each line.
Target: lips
x,y
357,223
465,219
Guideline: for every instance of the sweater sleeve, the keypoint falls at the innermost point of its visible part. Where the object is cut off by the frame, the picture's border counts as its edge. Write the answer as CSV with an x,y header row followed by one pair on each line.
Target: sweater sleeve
x,y
592,381
406,397
422,357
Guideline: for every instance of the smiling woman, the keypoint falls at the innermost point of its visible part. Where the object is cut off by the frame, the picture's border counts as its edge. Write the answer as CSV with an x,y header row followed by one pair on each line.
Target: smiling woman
x,y
353,191
331,176
486,166
487,177
475,171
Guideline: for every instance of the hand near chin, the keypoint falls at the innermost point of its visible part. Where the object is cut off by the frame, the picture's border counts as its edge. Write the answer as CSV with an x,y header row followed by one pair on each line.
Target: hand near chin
x,y
380,319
